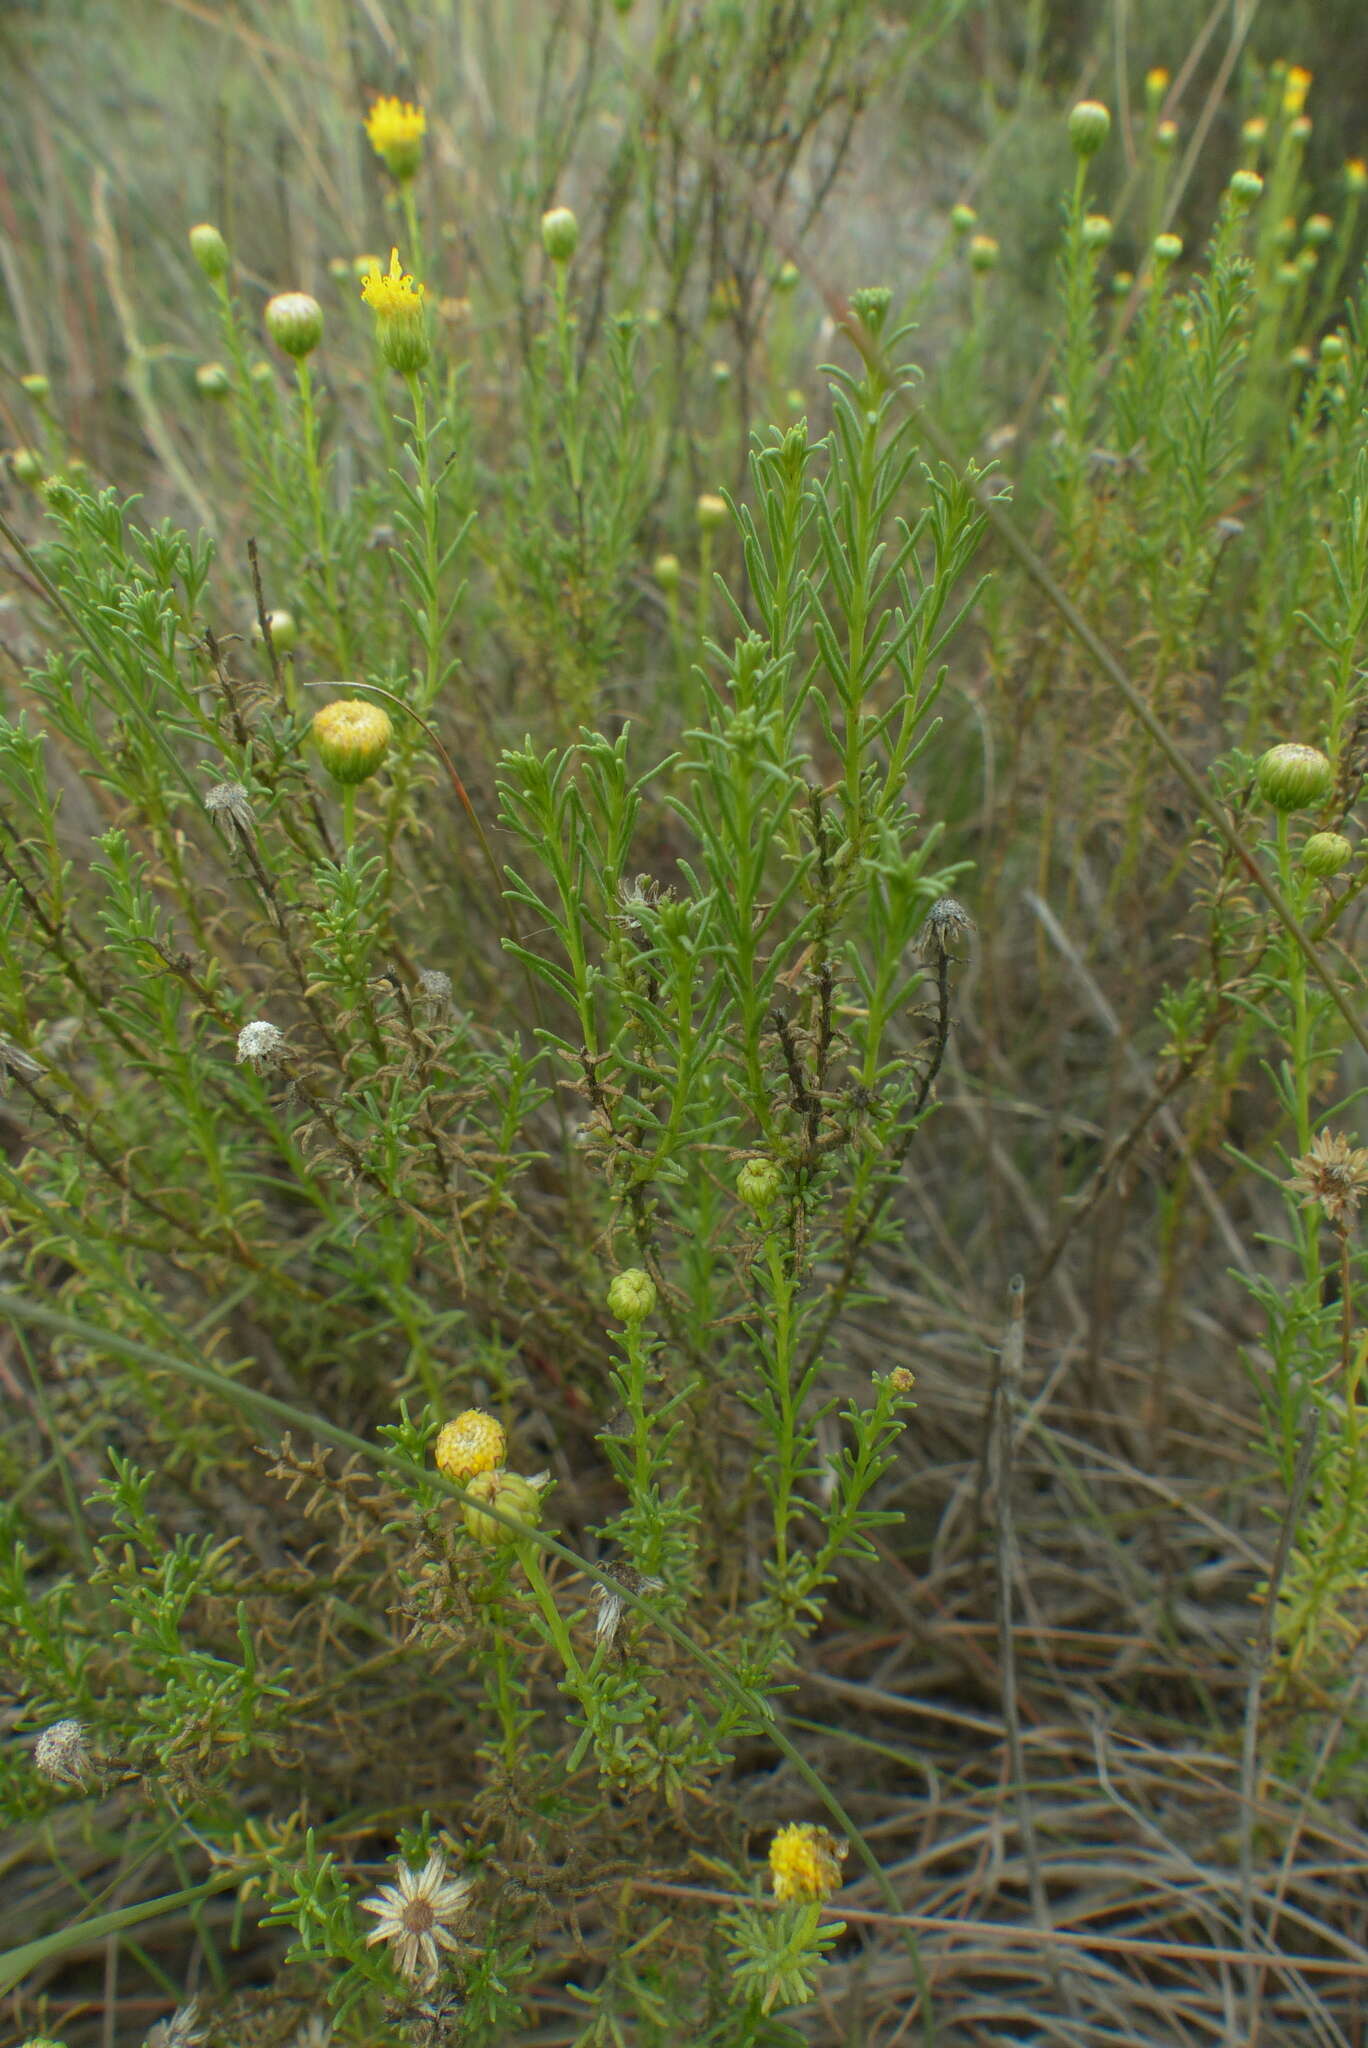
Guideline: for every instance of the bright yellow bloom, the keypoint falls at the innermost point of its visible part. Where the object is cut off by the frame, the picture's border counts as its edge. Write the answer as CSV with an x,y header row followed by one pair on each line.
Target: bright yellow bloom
x,y
396,129
805,1863
400,321
473,1443
1295,88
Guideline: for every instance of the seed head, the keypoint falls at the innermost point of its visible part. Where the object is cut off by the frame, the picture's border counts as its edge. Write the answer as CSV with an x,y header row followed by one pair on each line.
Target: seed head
x,y
434,986
352,738
805,1863
631,1295
1333,1174
14,1060
1292,777
395,129
294,321
610,1603
62,1754
1089,127
560,234
230,801
209,249
181,2030
473,1442
946,923
260,1046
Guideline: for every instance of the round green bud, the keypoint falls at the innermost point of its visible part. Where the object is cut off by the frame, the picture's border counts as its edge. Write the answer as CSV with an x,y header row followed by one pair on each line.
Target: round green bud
x,y
1333,348
1089,127
284,631
27,465
721,372
209,249
1292,777
212,381
294,321
631,1295
963,220
1246,187
666,569
512,1495
1326,853
983,252
758,1184
786,277
711,510
1318,229
1167,249
37,386
352,739
1166,137
560,234
1097,231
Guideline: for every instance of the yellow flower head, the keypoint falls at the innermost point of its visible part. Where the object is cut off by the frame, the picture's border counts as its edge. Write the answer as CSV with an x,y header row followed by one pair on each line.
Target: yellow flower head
x,y
1296,86
396,129
805,1863
473,1443
400,321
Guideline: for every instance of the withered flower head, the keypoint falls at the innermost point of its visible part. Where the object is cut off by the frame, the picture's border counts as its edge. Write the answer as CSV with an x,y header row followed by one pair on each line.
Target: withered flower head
x,y
413,1916
1334,1174
946,922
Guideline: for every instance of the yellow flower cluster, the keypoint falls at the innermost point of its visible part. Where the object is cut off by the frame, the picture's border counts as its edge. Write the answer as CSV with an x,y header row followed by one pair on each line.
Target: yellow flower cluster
x,y
1296,86
396,129
805,1863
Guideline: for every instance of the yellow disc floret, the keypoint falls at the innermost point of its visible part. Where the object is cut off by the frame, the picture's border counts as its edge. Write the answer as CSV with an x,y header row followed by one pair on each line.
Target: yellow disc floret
x,y
473,1443
400,321
805,1863
396,129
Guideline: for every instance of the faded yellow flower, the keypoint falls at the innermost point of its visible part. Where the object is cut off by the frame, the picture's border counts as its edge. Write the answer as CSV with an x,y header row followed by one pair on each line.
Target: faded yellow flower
x,y
474,1442
805,1863
396,129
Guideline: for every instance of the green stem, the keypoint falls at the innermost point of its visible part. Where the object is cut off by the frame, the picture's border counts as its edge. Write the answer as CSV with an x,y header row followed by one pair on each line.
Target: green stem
x,y
432,611
313,478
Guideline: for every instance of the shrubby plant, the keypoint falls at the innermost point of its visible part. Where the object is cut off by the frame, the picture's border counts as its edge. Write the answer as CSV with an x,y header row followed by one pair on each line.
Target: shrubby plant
x,y
485,936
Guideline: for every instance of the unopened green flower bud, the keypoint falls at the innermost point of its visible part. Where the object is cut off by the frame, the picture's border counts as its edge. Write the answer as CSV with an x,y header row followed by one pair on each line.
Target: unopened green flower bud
x,y
1167,249
1254,133
1089,127
758,1184
1356,175
963,220
27,465
1326,853
1157,83
212,381
667,571
284,631
870,305
1166,137
631,1295
294,321
37,386
721,372
1333,348
1097,231
786,277
1300,129
1292,777
352,739
560,234
1246,187
711,510
512,1495
1318,229
983,252
209,249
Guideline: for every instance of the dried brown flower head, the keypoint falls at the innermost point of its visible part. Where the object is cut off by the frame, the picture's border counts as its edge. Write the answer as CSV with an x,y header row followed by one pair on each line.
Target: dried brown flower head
x,y
1334,1174
414,1915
